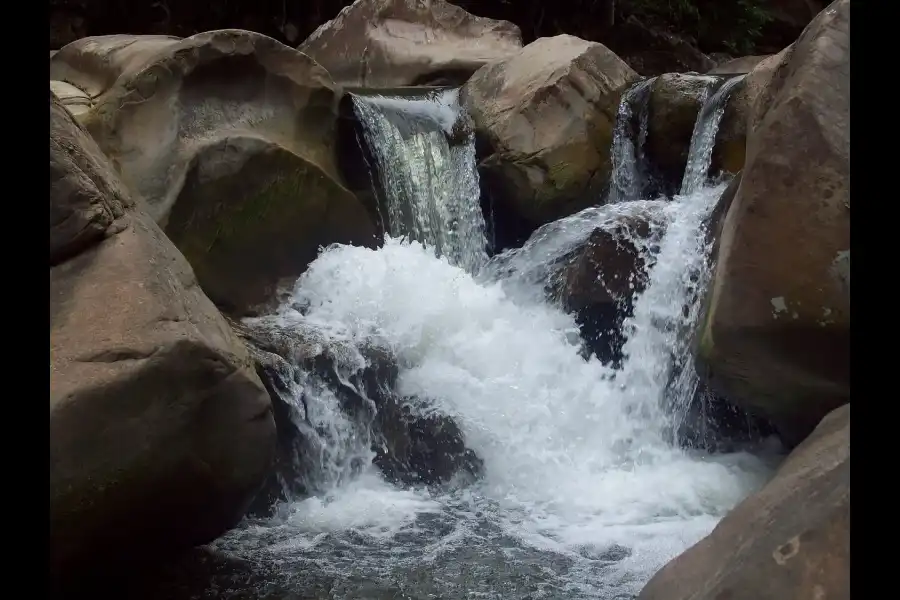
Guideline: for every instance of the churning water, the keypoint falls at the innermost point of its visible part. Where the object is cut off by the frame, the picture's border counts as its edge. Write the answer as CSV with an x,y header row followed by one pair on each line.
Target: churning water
x,y
583,495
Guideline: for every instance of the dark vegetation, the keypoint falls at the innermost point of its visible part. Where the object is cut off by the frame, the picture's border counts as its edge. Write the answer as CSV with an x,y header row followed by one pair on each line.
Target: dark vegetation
x,y
729,27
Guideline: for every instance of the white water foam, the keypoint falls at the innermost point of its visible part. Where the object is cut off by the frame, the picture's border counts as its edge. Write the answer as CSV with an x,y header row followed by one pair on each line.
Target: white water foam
x,y
576,460
584,495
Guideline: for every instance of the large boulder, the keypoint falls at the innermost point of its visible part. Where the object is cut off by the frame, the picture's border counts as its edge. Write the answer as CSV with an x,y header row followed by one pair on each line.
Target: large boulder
x,y
160,431
547,116
390,43
776,338
229,136
789,540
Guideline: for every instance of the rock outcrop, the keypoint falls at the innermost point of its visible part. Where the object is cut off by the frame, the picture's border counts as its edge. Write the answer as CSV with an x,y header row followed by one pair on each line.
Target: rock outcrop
x,y
789,540
675,102
391,43
547,116
229,136
776,338
160,431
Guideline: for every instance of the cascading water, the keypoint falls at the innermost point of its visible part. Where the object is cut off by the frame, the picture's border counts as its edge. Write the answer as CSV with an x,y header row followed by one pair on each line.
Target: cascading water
x,y
583,493
627,154
434,198
703,139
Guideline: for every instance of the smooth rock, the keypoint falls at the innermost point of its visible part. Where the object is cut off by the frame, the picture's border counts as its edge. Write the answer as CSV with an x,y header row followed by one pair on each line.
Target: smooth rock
x,y
776,339
547,116
229,136
161,433
389,43
789,540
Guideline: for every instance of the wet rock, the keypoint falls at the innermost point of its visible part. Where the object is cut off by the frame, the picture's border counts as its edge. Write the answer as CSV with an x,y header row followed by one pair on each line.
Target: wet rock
x,y
776,336
388,43
229,137
413,444
789,540
602,278
675,102
547,116
160,431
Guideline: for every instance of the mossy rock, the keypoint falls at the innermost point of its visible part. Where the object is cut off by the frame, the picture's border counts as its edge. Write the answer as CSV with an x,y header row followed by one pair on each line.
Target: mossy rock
x,y
252,214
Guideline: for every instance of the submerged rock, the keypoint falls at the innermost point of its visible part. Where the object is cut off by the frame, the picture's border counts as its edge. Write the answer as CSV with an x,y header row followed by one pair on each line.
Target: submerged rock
x,y
229,137
547,116
776,339
789,540
389,43
602,278
160,431
412,443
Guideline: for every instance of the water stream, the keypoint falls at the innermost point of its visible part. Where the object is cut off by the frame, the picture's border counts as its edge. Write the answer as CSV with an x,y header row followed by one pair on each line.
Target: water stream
x,y
584,493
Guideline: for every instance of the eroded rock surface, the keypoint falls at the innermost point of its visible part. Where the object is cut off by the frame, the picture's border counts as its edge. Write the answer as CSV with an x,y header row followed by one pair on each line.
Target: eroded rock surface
x,y
229,137
161,433
390,43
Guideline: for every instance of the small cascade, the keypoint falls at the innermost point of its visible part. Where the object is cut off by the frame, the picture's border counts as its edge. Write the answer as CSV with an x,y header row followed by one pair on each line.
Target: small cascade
x,y
627,152
424,150
703,139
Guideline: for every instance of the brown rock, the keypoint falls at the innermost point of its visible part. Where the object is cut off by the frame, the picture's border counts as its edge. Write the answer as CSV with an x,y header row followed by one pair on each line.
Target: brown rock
x,y
741,114
675,102
737,66
789,540
160,431
86,197
600,281
776,337
93,64
548,115
389,43
229,136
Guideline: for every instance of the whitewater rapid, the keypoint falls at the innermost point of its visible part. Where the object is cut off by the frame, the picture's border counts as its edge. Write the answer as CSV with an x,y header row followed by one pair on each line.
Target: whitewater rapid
x,y
586,491
578,463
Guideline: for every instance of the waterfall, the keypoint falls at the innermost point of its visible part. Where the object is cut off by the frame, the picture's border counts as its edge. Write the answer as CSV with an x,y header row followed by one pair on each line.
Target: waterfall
x,y
703,139
425,155
584,492
627,156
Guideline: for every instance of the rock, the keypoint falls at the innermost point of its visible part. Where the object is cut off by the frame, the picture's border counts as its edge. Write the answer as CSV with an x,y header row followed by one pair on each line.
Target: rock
x,y
74,99
229,136
737,66
413,444
675,102
599,282
547,115
160,432
93,64
389,43
789,540
740,115
776,338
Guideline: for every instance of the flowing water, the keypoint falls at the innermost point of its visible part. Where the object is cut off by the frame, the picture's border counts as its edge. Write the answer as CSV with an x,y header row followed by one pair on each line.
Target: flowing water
x,y
434,197
584,493
627,152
